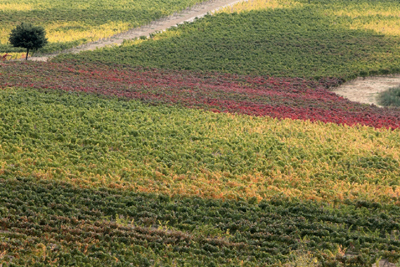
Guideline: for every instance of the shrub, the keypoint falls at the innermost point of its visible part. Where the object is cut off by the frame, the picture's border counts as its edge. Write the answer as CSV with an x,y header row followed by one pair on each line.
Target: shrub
x,y
390,97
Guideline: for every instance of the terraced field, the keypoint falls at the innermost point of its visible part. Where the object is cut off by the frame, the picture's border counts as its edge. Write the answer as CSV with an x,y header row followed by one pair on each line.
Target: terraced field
x,y
179,151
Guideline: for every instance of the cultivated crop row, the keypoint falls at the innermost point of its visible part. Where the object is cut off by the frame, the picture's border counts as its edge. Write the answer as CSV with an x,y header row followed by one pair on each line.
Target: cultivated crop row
x,y
88,140
53,223
293,98
312,39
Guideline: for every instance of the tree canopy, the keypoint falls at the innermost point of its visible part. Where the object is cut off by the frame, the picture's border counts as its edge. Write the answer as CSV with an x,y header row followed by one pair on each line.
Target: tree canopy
x,y
28,36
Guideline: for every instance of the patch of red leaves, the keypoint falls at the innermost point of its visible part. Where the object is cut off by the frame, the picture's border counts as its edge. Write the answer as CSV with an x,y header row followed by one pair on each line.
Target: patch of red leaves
x,y
293,98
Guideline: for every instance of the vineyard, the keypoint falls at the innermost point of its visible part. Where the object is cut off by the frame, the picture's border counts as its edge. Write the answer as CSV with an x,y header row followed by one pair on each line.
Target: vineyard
x,y
215,143
71,23
305,40
83,125
58,224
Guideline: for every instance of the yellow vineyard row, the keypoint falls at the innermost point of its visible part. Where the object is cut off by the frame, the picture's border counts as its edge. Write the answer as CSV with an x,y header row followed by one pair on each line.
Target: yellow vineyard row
x,y
192,152
379,16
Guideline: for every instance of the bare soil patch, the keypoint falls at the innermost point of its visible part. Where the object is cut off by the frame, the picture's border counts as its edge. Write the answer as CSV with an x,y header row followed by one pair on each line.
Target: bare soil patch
x,y
384,263
188,15
365,90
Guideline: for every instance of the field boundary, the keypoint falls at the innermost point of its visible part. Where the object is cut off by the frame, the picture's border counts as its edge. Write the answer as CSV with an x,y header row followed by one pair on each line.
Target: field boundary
x,y
188,15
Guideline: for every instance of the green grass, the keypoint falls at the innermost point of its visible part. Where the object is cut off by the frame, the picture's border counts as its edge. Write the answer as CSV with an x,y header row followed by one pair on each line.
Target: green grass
x,y
307,41
390,98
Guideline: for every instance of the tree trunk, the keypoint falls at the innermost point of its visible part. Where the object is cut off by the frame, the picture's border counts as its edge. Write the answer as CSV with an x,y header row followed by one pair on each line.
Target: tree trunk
x,y
27,51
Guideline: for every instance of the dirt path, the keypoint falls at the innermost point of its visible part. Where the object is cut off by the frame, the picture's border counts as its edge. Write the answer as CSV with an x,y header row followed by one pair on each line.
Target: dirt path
x,y
188,15
365,90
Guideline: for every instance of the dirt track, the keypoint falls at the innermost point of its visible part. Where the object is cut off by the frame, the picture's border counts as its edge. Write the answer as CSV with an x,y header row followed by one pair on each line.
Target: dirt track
x,y
365,90
188,15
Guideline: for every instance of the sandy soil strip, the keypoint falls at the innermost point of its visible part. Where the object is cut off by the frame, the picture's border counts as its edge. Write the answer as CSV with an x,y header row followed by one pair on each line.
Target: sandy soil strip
x,y
365,90
188,15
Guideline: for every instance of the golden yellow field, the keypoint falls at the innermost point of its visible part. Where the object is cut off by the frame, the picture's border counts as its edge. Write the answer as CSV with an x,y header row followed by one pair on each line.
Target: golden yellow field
x,y
381,17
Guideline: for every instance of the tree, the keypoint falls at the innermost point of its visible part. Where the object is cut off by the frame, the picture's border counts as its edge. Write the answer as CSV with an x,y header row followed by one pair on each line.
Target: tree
x,y
28,36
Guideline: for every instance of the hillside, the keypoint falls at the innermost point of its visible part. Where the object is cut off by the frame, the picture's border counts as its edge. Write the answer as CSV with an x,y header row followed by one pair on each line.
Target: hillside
x,y
215,143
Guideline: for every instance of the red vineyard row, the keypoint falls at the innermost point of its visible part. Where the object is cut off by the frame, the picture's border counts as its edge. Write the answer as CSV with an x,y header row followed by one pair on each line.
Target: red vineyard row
x,y
294,98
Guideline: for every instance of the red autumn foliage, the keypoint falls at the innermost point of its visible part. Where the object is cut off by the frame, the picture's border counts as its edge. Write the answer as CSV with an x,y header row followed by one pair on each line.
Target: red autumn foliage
x,y
294,98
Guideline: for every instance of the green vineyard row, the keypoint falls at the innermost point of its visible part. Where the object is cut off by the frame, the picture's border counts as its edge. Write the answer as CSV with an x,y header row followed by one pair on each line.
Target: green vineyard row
x,y
52,223
306,41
